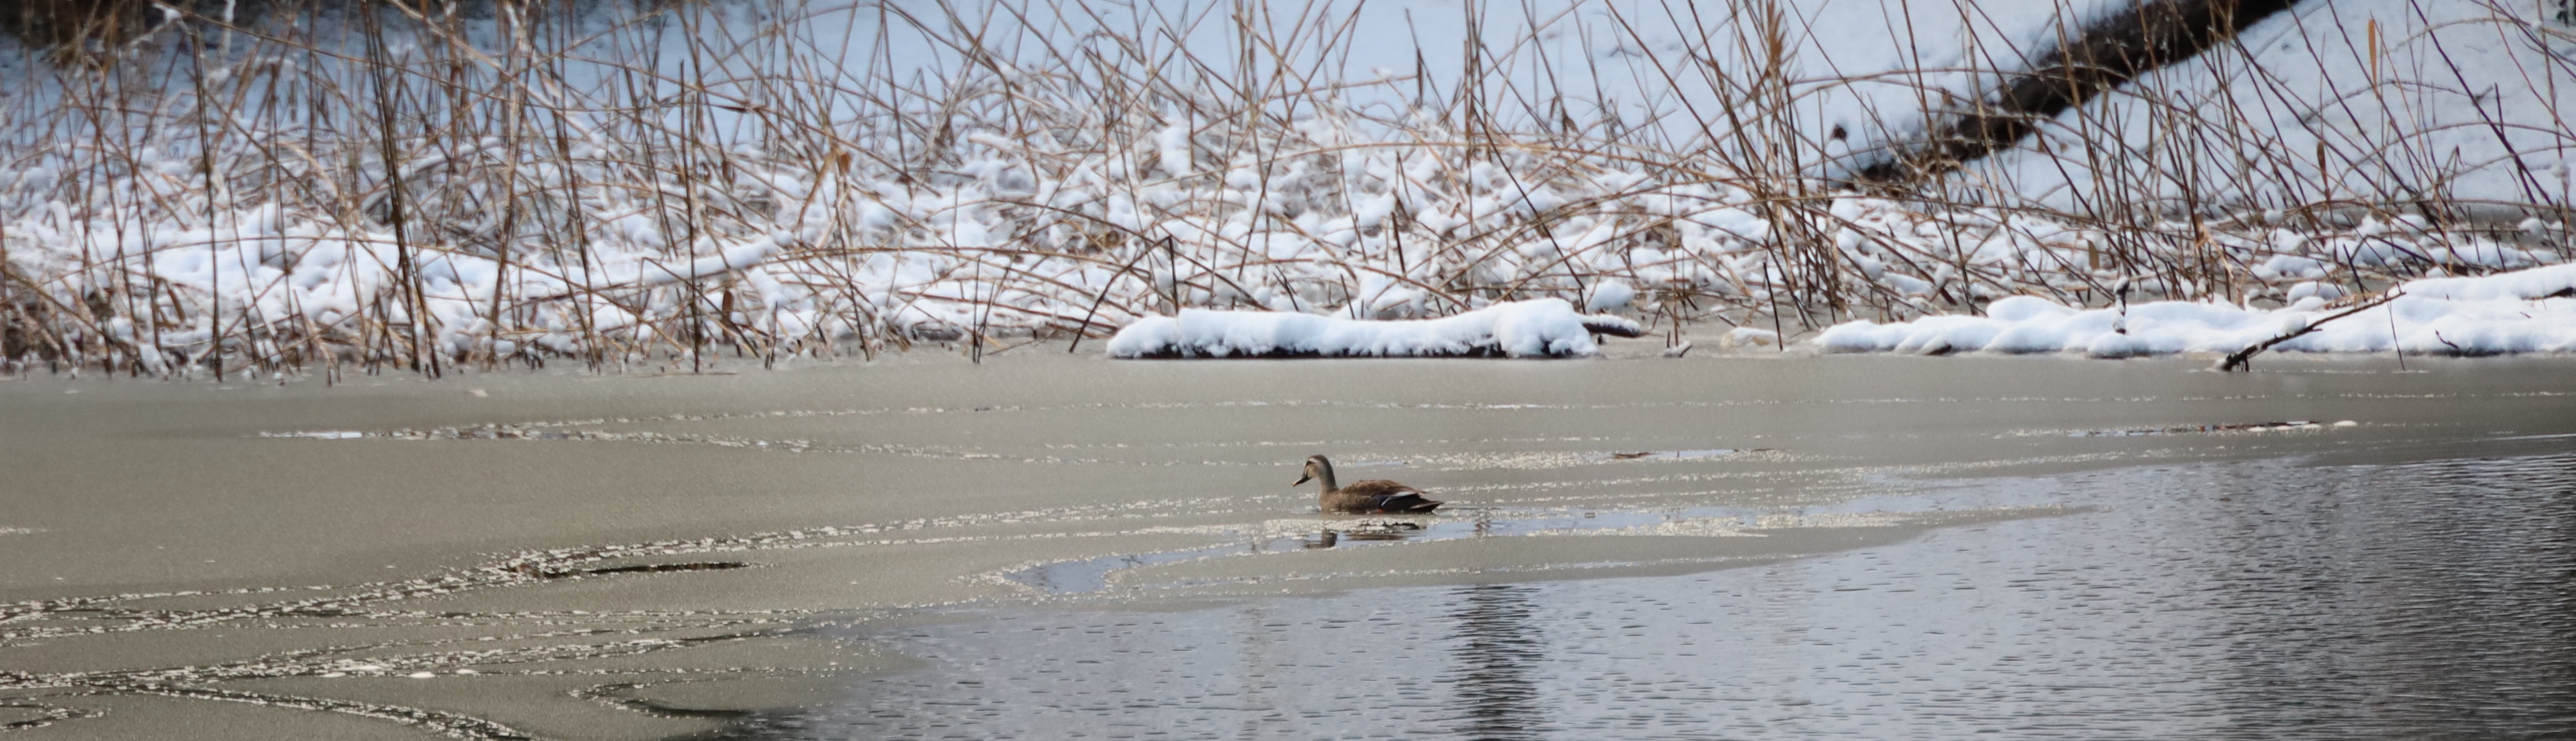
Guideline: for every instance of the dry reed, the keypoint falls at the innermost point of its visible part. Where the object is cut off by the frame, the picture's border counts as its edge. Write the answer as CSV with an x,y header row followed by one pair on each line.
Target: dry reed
x,y
426,185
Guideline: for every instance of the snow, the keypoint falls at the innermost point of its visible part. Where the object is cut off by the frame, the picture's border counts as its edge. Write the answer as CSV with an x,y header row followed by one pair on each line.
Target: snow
x,y
1536,328
1610,295
652,272
2526,311
1748,336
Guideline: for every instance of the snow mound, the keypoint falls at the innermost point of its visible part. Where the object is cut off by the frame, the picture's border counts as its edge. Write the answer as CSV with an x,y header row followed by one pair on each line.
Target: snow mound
x,y
1536,328
2524,311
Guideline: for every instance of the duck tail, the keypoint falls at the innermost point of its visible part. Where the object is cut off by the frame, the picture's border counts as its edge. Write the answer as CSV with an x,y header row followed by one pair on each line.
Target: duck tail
x,y
1424,506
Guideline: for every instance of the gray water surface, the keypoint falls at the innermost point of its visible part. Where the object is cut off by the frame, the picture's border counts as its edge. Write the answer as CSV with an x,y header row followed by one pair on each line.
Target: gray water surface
x,y
2263,599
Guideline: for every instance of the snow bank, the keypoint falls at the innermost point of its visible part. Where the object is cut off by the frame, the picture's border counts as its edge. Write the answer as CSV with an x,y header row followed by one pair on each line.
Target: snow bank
x,y
2519,312
1537,328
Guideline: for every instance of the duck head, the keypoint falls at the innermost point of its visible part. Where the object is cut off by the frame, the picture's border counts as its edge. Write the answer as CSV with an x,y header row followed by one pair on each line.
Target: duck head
x,y
1316,467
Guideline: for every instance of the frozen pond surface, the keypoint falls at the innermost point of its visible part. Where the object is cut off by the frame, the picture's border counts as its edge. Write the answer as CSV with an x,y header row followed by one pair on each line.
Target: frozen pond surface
x,y
1044,545
2258,599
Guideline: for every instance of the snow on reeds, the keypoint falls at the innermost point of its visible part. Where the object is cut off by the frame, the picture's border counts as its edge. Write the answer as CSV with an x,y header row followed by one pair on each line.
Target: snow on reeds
x,y
437,184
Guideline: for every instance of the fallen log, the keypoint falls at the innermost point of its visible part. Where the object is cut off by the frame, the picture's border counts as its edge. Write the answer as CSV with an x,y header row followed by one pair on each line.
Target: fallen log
x,y
2094,60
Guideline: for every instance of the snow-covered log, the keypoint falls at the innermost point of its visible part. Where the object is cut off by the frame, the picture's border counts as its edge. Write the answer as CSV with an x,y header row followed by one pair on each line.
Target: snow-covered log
x,y
1537,328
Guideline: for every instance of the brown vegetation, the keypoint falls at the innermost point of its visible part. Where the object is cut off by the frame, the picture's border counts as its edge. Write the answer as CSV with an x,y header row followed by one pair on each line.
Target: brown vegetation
x,y
74,24
1109,177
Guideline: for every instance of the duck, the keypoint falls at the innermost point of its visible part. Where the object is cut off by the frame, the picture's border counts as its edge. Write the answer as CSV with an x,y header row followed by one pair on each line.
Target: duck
x,y
1371,496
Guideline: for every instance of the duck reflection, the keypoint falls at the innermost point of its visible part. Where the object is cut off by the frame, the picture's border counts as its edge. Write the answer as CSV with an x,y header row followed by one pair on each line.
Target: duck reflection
x,y
1363,531
1498,648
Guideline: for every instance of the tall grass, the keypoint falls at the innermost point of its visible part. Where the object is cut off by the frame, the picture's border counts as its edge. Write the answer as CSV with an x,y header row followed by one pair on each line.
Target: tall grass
x,y
73,28
425,185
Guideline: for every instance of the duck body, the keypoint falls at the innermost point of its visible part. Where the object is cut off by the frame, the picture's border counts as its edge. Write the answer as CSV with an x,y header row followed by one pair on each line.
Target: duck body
x,y
1374,496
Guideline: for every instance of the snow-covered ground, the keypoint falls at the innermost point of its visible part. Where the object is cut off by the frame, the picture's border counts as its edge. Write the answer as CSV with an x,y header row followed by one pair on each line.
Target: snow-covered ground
x,y
804,179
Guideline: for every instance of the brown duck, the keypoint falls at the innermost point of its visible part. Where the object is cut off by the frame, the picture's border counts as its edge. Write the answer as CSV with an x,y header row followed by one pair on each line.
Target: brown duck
x,y
1375,495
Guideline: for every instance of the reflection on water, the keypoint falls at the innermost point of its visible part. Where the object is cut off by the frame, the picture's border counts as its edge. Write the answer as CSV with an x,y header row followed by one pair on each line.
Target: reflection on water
x,y
1498,653
1098,576
1368,532
2251,600
1089,575
2437,599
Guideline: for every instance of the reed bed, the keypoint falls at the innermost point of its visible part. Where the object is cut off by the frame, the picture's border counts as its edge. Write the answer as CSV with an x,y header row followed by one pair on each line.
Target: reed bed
x,y
426,185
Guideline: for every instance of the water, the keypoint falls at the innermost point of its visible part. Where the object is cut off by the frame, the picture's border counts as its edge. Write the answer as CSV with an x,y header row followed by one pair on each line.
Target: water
x,y
1955,503
2260,599
1636,547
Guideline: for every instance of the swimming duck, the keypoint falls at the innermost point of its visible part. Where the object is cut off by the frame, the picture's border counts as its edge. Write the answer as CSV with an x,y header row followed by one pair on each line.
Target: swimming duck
x,y
1374,495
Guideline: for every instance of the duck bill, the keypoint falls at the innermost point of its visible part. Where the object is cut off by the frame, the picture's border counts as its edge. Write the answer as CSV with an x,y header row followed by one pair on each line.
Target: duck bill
x,y
1301,480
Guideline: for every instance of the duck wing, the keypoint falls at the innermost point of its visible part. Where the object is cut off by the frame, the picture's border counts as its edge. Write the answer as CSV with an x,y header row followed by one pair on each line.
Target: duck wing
x,y
1379,495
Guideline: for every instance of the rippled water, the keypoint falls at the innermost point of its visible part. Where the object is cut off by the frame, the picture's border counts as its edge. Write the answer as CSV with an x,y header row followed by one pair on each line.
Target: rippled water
x,y
2263,599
